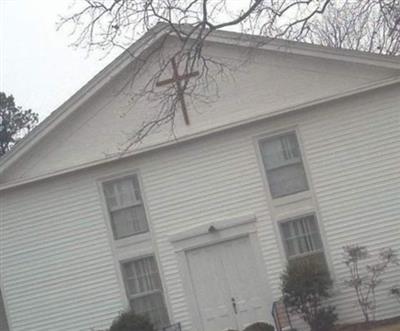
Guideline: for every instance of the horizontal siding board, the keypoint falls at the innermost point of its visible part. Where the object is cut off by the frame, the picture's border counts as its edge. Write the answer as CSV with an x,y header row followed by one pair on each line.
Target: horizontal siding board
x,y
74,211
55,288
50,271
53,304
64,241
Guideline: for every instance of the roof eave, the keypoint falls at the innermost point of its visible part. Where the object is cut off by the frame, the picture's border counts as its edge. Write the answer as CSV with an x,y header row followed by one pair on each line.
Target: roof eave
x,y
306,49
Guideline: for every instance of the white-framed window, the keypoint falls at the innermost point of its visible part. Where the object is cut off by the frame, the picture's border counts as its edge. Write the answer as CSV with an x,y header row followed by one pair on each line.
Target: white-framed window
x,y
144,290
283,165
301,238
125,207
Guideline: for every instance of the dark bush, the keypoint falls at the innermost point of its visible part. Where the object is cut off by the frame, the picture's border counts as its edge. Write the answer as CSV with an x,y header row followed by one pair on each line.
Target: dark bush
x,y
305,285
129,321
260,326
325,319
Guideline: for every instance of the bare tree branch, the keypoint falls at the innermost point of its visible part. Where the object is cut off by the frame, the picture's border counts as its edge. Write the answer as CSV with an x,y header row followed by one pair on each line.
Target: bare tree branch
x,y
368,25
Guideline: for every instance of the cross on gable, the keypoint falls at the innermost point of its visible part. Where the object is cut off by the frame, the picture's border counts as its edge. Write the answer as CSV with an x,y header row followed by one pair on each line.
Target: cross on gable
x,y
177,80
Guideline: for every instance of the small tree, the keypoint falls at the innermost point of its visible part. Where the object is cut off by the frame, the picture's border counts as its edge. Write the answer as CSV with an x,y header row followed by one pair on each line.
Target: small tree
x,y
305,285
130,321
14,122
365,283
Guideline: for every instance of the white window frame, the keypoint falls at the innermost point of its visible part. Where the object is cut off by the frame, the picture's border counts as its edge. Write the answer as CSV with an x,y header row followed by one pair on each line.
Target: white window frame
x,y
130,297
278,134
133,247
295,205
136,204
310,253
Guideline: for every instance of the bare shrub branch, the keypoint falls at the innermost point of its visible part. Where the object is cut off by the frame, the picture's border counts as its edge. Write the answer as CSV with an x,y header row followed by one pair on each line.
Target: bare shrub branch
x,y
365,282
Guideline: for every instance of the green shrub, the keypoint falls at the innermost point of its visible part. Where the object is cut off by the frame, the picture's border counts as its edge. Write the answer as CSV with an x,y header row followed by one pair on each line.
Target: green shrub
x,y
305,285
260,326
129,321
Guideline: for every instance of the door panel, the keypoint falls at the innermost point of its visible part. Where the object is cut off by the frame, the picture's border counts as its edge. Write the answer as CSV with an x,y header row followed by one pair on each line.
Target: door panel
x,y
211,289
245,283
227,285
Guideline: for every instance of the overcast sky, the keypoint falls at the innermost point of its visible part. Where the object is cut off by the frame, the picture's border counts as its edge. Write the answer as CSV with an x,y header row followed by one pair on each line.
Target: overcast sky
x,y
37,65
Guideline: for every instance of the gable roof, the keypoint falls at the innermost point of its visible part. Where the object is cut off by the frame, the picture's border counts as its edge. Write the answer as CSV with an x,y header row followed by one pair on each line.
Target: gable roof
x,y
160,31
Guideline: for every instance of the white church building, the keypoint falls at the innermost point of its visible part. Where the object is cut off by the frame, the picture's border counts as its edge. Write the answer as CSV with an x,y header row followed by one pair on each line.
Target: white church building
x,y
299,154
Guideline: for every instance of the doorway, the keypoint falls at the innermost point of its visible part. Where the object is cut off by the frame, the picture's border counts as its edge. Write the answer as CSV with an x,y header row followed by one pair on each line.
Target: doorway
x,y
227,285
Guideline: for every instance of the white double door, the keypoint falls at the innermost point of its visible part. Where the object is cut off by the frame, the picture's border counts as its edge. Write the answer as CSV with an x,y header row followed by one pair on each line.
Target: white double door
x,y
229,291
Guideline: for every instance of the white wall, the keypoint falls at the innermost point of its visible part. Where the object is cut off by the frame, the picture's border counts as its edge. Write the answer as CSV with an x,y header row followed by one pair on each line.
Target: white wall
x,y
56,262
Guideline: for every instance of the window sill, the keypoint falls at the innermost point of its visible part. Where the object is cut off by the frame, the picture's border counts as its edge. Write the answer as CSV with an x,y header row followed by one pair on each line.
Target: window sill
x,y
132,240
293,198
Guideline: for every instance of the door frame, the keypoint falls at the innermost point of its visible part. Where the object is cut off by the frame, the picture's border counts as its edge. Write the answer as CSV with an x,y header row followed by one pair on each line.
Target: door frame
x,y
211,234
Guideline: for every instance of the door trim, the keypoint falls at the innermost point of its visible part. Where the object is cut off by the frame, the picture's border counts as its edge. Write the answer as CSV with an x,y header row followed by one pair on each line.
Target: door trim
x,y
213,232
210,234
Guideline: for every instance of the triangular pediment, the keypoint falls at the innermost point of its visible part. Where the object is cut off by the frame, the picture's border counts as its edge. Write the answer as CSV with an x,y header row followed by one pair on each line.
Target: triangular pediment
x,y
263,83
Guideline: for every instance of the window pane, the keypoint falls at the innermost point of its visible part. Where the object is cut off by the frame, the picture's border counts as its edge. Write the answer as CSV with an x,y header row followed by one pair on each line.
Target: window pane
x,y
286,230
122,193
110,195
144,289
135,183
129,221
287,180
142,276
301,236
281,151
283,165
291,246
316,241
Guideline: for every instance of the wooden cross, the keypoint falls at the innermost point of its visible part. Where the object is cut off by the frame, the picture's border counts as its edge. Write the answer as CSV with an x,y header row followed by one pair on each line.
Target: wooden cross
x,y
177,79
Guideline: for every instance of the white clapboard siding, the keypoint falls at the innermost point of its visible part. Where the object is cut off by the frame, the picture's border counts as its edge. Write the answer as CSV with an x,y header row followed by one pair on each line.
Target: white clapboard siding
x,y
356,177
218,178
207,181
57,268
56,263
